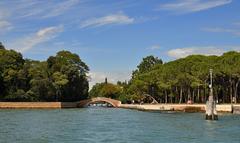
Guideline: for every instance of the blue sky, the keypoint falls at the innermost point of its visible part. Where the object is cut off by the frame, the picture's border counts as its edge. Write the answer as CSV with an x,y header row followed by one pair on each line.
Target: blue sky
x,y
112,36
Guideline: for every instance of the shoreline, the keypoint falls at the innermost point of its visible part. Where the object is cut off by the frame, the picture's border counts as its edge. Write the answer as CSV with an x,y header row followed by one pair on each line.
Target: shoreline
x,y
228,108
37,105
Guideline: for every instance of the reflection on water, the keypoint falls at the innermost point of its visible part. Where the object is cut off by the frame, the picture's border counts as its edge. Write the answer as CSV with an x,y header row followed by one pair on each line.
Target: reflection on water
x,y
90,125
99,104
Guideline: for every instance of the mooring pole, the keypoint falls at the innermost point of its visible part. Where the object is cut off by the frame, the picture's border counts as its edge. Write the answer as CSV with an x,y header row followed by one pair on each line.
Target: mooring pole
x,y
211,112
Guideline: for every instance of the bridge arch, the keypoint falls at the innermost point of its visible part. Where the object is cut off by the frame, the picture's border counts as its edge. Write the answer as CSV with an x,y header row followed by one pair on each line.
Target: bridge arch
x,y
113,102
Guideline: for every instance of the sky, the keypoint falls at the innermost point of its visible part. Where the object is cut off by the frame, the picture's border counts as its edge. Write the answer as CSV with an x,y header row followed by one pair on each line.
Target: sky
x,y
112,36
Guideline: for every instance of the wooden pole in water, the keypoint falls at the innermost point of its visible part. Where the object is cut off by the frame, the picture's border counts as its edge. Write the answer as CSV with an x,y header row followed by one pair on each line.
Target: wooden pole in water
x,y
211,112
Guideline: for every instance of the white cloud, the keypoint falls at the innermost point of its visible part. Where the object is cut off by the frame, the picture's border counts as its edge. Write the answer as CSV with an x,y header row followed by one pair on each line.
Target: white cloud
x,y
32,40
234,31
184,52
49,31
42,9
118,18
154,47
188,6
61,8
113,77
5,25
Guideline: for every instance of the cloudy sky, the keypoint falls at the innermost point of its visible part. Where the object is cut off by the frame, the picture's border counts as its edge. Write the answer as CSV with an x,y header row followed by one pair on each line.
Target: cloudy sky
x,y
112,36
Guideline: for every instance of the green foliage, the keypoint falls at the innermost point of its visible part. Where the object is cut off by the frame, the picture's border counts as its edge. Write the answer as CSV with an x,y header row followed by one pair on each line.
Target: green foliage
x,y
187,78
63,77
68,72
60,78
1,46
146,64
106,90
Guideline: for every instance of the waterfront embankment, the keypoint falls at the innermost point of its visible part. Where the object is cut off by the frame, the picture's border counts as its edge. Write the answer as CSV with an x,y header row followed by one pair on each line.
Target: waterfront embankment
x,y
181,107
235,108
37,105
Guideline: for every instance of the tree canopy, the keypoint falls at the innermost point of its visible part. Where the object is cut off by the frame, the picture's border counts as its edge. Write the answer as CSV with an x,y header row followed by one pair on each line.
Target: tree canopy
x,y
61,78
188,79
108,90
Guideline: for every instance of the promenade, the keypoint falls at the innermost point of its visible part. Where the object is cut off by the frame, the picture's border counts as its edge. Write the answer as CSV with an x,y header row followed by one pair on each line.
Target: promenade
x,y
181,107
144,107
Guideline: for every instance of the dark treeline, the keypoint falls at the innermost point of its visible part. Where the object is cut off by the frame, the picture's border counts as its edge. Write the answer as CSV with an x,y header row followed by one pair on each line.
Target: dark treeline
x,y
60,78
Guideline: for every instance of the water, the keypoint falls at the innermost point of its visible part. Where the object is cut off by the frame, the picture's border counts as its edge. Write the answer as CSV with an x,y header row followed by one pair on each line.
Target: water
x,y
91,125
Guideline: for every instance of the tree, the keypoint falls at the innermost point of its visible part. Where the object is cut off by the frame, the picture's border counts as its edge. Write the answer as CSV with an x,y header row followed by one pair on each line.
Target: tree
x,y
10,64
188,78
60,80
73,79
1,46
41,87
1,85
62,77
229,66
108,90
146,64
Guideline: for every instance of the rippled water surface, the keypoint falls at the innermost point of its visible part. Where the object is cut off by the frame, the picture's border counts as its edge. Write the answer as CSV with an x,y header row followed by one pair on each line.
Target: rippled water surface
x,y
111,125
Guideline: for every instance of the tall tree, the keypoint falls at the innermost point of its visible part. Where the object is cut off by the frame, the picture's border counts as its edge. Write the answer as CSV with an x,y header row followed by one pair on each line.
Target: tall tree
x,y
1,46
146,64
106,90
73,73
188,78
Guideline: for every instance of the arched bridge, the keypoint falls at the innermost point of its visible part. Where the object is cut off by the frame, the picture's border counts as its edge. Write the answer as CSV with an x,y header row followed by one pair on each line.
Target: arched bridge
x,y
84,103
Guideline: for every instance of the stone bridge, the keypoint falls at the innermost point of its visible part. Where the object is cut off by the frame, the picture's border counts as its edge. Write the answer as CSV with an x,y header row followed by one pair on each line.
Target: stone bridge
x,y
114,103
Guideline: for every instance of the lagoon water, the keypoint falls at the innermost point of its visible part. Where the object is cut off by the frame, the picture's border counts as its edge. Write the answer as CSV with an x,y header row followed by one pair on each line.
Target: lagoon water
x,y
103,125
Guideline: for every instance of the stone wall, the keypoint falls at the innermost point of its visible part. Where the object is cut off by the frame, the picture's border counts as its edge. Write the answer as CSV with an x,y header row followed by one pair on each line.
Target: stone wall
x,y
30,105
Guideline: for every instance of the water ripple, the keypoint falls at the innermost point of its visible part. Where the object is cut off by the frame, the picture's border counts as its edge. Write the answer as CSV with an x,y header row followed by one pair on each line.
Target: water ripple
x,y
110,125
